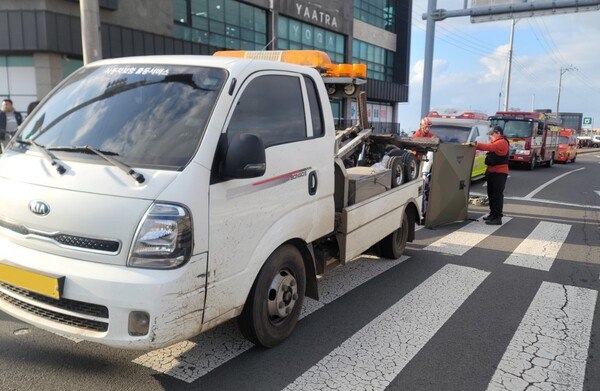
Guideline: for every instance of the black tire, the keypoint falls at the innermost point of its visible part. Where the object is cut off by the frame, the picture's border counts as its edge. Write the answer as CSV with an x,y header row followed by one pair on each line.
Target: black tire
x,y
595,145
573,160
393,245
532,163
397,152
275,300
551,161
395,164
411,167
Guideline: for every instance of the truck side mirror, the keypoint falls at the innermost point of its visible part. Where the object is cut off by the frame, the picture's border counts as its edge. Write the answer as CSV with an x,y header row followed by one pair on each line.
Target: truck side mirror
x,y
245,157
540,130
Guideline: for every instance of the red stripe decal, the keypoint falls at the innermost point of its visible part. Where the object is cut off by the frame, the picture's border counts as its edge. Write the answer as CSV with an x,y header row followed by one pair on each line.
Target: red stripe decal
x,y
277,177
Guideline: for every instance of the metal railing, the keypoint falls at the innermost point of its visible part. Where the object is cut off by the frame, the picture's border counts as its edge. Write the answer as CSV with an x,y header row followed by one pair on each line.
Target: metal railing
x,y
378,127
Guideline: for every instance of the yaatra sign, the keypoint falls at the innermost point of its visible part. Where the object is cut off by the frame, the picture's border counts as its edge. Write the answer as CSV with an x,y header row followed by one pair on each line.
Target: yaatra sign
x,y
335,15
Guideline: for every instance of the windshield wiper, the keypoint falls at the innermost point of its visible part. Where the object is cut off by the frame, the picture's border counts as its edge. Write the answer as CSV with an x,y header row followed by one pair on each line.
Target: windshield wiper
x,y
47,155
104,155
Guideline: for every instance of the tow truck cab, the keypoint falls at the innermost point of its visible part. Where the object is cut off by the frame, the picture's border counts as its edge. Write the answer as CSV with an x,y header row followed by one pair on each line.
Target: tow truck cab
x,y
149,199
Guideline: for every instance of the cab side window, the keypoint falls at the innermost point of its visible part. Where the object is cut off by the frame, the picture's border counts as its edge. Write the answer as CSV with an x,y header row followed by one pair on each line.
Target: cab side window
x,y
272,108
315,107
474,134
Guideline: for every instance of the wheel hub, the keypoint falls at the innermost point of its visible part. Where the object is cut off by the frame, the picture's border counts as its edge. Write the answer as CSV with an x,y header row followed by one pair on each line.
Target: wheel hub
x,y
283,294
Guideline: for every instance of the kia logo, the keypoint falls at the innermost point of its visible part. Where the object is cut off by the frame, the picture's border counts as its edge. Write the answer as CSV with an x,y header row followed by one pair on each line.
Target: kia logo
x,y
39,207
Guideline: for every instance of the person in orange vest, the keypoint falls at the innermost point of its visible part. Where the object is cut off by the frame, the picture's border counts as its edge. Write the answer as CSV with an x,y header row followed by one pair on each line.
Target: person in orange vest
x,y
496,173
424,129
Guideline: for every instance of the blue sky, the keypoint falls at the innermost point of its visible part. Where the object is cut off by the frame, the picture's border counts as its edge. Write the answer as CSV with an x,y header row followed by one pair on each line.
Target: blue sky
x,y
470,63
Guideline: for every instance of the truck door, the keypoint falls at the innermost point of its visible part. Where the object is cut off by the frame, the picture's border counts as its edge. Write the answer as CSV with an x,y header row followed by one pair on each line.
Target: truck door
x,y
250,218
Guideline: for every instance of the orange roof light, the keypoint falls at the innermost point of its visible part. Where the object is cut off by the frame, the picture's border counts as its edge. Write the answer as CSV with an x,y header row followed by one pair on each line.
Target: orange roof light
x,y
359,70
345,70
332,70
312,58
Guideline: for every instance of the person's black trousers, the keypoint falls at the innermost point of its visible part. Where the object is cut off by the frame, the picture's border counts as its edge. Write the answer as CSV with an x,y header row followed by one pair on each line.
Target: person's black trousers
x,y
495,189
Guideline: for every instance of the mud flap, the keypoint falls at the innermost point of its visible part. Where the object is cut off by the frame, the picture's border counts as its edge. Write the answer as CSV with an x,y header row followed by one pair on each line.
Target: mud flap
x,y
449,184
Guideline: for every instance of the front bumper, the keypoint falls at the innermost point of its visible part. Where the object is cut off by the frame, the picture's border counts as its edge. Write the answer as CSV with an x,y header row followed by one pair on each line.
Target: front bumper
x,y
519,158
98,298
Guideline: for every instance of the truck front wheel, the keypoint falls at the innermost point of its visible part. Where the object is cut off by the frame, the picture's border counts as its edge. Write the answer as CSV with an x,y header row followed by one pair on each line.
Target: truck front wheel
x,y
275,300
532,163
393,245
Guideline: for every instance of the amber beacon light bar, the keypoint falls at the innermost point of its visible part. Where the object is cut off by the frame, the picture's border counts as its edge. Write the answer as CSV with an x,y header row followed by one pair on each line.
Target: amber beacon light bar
x,y
340,79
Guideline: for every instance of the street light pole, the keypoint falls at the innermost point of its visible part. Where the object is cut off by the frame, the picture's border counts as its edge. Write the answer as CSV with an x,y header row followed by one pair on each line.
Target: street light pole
x,y
562,72
510,54
428,60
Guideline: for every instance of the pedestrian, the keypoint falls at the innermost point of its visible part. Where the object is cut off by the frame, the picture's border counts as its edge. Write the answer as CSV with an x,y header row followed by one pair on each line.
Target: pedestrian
x,y
9,120
496,173
424,129
32,106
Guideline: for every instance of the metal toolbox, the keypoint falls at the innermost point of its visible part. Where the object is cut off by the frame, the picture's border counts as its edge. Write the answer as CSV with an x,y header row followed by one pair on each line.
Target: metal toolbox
x,y
364,183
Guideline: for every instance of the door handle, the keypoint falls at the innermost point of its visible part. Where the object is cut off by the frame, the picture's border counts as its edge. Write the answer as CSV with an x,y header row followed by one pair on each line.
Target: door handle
x,y
312,183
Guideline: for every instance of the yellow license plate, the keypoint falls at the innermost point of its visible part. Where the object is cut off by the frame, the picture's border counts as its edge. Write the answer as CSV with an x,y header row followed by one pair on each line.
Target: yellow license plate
x,y
34,282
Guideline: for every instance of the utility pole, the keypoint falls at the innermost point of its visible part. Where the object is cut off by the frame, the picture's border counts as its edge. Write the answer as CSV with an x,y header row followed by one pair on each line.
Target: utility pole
x,y
90,30
510,53
562,72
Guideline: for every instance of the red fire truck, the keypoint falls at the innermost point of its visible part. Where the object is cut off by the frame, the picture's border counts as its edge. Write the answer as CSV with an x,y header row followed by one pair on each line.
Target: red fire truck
x,y
567,146
533,137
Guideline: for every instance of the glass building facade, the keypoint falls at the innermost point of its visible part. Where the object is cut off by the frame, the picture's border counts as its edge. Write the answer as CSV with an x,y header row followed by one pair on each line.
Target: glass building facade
x,y
379,13
293,34
380,62
359,31
226,24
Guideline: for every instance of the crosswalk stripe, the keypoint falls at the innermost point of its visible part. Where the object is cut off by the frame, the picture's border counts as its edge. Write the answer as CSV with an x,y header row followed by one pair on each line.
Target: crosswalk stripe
x,y
541,247
188,361
550,347
465,238
376,354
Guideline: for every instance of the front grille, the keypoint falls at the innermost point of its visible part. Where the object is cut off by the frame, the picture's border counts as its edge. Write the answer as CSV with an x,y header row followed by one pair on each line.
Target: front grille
x,y
80,307
93,244
110,246
55,316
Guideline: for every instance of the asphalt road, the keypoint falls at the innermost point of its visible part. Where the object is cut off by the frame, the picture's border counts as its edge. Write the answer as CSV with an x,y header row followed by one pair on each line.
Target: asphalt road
x,y
469,307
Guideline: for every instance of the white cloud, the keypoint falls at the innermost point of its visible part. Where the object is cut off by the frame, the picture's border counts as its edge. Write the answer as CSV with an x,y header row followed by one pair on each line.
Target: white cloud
x,y
439,67
495,67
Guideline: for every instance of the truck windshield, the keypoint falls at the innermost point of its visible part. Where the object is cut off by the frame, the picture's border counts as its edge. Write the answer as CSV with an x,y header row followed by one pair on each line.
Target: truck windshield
x,y
563,140
451,134
148,115
514,127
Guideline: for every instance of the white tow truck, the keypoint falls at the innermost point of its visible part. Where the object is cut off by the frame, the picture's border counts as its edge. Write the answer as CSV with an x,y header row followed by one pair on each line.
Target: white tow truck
x,y
149,199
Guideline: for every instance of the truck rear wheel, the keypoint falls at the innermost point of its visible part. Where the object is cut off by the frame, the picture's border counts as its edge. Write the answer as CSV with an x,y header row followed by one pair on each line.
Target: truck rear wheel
x,y
395,164
551,161
393,245
275,300
411,167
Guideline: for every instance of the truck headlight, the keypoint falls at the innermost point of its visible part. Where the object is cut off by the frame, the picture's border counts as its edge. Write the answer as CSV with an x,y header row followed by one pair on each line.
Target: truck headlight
x,y
522,152
164,238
